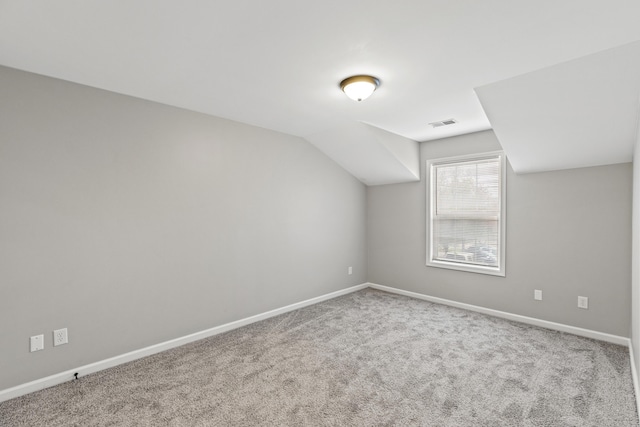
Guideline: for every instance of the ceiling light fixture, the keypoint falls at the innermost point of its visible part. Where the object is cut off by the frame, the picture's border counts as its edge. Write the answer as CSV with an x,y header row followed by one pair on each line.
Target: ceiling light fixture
x,y
359,87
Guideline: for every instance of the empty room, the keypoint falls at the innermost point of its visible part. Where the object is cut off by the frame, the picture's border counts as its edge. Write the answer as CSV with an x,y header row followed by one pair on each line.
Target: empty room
x,y
243,213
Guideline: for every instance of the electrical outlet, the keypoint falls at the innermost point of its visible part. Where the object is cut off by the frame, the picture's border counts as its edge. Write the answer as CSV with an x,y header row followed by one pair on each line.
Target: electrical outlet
x,y
60,337
350,271
583,302
37,343
537,295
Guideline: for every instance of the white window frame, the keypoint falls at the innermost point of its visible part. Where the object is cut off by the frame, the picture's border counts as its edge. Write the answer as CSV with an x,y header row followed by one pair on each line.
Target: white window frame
x,y
499,270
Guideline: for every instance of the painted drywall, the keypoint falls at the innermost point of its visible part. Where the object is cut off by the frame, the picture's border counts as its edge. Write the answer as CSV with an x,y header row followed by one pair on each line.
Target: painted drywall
x,y
132,223
372,155
635,255
568,234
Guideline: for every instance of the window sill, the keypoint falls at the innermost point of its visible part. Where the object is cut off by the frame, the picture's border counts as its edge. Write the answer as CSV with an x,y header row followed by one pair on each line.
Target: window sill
x,y
492,271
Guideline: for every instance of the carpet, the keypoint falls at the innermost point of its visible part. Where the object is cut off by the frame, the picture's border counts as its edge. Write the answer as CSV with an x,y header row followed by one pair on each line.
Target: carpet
x,y
368,358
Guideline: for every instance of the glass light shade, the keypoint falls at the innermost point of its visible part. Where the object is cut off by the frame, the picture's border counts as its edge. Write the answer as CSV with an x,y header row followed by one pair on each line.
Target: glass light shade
x,y
359,87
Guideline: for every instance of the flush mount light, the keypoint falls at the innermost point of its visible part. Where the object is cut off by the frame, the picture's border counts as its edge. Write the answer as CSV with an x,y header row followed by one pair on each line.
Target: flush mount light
x,y
359,87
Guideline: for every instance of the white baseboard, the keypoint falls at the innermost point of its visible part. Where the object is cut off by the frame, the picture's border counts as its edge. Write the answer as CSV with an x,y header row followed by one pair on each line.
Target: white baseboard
x,y
62,377
601,336
634,376
615,339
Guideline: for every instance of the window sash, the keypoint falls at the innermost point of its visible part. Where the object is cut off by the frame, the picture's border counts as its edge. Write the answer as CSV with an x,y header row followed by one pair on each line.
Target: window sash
x,y
466,213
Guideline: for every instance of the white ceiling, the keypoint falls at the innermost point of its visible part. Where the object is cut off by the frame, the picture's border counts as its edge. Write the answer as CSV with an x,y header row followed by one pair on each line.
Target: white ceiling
x,y
373,155
277,64
578,113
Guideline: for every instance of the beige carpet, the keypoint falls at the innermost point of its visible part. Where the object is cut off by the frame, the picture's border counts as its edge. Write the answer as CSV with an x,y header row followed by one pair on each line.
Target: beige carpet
x,y
365,359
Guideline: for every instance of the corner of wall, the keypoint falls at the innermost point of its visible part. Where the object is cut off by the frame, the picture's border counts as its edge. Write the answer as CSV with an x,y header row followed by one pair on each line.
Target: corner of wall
x,y
635,252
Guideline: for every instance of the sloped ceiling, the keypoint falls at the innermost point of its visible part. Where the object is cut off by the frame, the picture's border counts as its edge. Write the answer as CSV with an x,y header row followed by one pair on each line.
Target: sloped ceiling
x,y
278,64
578,113
373,155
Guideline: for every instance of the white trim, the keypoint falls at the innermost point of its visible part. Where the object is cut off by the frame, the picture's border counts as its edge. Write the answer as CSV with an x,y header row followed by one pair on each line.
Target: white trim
x,y
62,377
461,266
634,376
601,336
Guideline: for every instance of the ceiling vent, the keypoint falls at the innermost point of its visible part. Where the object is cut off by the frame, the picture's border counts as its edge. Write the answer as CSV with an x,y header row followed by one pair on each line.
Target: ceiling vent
x,y
443,123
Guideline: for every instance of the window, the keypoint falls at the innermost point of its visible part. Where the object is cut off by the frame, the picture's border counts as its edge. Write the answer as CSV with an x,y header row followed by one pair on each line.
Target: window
x,y
466,213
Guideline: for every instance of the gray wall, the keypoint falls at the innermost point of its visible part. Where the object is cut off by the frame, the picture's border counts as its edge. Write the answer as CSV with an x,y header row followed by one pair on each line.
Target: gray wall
x,y
568,233
132,223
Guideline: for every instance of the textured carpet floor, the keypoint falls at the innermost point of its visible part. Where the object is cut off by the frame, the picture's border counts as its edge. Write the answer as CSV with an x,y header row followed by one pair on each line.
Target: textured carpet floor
x,y
368,358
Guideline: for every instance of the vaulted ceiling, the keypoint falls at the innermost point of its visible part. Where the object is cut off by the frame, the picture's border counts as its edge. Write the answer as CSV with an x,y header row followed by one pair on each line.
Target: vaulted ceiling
x,y
558,81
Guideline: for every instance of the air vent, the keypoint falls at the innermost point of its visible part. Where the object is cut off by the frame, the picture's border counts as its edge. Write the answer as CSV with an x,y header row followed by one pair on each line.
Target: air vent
x,y
443,123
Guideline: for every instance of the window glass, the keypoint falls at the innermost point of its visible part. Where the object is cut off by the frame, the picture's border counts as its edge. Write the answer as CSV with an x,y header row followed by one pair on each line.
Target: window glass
x,y
466,213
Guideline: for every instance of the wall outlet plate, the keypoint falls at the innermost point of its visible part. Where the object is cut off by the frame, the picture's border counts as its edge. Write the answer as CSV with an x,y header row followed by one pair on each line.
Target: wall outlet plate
x,y
583,302
37,343
60,337
537,295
